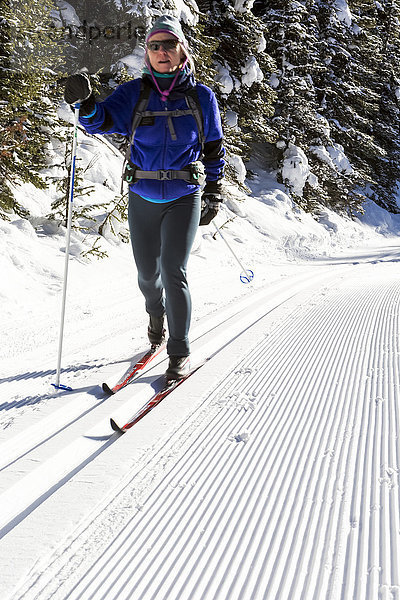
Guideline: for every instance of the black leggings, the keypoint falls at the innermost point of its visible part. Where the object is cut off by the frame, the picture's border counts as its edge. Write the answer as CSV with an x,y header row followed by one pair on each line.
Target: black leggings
x,y
162,236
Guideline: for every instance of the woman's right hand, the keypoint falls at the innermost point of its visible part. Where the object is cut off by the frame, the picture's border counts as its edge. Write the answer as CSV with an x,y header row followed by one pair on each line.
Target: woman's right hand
x,y
77,88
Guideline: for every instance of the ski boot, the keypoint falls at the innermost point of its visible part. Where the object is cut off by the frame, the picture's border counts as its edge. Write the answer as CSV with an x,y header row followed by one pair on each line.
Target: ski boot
x,y
156,331
178,368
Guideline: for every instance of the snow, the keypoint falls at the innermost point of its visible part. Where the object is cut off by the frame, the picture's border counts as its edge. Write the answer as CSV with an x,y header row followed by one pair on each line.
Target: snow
x,y
295,170
187,11
237,163
251,72
343,12
334,156
279,455
274,81
231,118
242,6
261,44
65,14
323,124
133,62
224,79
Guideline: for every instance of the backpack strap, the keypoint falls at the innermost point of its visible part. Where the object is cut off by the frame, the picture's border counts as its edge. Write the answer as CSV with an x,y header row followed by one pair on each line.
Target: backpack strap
x,y
138,112
139,109
192,99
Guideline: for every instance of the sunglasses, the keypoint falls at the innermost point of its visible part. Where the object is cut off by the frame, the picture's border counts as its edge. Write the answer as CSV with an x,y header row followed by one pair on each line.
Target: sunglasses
x,y
170,44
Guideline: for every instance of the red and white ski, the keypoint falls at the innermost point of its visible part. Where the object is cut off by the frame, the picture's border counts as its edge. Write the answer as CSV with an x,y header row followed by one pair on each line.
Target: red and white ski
x,y
167,386
134,369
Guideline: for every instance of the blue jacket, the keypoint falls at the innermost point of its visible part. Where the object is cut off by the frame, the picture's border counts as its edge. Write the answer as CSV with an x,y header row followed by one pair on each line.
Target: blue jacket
x,y
154,148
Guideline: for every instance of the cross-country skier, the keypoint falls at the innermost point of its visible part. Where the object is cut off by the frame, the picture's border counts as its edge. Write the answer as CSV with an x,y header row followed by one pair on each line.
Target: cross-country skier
x,y
167,196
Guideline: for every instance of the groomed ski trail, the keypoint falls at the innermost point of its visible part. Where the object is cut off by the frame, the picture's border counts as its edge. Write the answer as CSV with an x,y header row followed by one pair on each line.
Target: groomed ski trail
x,y
287,484
61,464
49,451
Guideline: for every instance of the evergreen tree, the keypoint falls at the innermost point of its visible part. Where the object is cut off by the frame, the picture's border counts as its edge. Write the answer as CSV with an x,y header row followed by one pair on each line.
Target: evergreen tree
x,y
99,33
242,69
378,52
28,96
337,96
294,40
307,80
353,93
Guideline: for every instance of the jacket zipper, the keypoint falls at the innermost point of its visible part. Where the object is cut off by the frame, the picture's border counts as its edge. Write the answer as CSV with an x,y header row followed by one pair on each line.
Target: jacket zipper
x,y
165,149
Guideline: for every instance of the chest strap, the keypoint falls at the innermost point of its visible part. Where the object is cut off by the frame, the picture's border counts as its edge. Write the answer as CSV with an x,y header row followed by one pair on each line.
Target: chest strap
x,y
169,114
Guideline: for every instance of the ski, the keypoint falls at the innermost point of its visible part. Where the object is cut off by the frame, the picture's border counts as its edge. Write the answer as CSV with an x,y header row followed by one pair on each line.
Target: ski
x,y
134,369
167,386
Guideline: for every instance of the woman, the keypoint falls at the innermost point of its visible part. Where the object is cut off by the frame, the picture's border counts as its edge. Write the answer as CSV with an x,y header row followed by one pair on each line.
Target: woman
x,y
166,203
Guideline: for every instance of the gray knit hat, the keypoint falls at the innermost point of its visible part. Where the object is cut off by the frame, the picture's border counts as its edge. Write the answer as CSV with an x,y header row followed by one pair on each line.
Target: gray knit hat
x,y
167,24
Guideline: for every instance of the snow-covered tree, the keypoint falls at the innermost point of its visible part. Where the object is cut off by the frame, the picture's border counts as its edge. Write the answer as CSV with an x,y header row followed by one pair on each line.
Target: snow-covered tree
x,y
305,136
337,89
376,40
314,85
242,72
28,96
356,94
98,34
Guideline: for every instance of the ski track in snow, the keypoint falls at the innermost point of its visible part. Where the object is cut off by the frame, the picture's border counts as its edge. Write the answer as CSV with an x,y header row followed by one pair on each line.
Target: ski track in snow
x,y
47,453
283,483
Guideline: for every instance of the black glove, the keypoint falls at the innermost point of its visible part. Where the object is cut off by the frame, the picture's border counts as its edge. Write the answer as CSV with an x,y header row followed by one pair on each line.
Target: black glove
x,y
79,90
210,204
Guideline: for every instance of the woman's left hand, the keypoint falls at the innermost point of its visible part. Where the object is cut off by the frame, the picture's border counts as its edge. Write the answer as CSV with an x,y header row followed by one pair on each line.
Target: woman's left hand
x,y
209,208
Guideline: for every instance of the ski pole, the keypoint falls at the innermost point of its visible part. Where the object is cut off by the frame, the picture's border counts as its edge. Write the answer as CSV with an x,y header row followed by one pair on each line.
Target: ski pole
x,y
57,384
246,275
